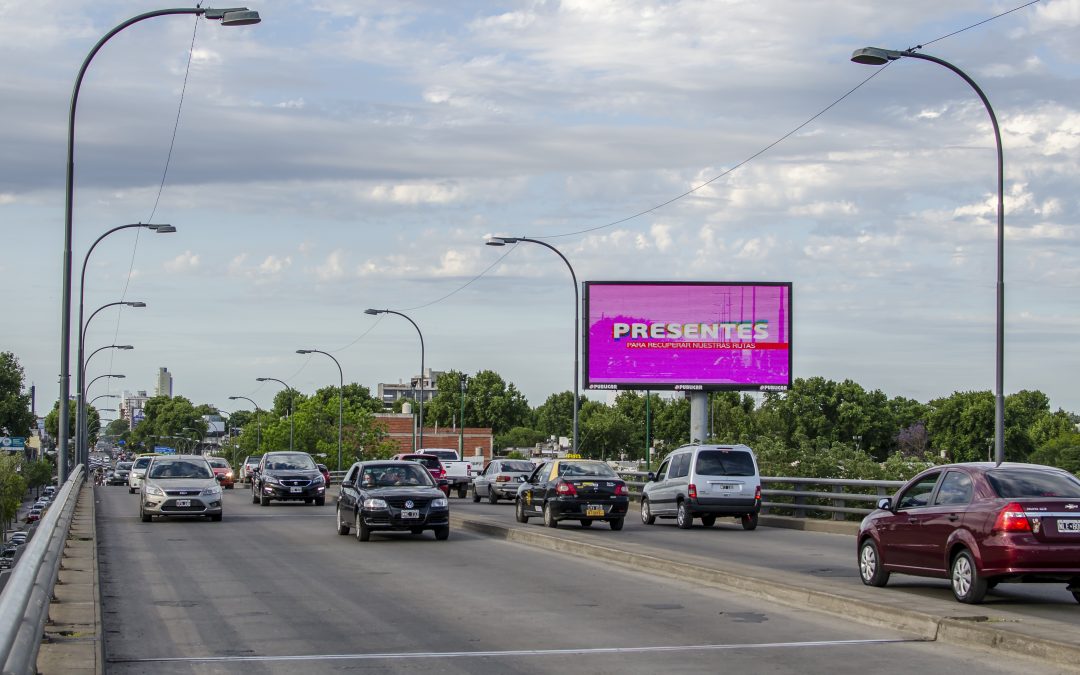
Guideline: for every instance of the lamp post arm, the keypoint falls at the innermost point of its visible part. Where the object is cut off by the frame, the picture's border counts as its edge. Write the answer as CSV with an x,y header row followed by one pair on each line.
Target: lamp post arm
x,y
999,350
420,444
341,399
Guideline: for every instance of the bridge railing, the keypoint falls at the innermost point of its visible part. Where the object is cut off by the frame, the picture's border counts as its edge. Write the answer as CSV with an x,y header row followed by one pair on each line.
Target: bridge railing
x,y
24,603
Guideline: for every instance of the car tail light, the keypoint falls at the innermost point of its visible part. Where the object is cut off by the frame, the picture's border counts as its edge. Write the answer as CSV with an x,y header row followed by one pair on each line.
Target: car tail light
x,y
691,491
1012,518
757,494
566,489
620,490
502,479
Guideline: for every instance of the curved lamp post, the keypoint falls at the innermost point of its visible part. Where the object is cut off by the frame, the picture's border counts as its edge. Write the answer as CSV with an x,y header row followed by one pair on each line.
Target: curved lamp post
x,y
292,393
340,398
874,56
375,312
80,409
239,16
258,422
502,241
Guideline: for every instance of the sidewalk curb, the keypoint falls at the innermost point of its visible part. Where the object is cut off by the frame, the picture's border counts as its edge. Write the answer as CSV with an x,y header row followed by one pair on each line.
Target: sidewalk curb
x,y
957,631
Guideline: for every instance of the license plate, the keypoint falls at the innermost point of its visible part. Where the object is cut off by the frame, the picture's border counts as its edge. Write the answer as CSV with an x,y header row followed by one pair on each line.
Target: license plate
x,y
180,503
594,510
296,490
1068,526
410,514
725,487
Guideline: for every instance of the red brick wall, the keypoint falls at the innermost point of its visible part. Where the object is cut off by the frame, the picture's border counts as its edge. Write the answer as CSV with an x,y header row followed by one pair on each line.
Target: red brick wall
x,y
399,428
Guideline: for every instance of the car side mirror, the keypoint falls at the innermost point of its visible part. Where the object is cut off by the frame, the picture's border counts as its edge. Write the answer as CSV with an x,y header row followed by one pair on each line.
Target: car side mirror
x,y
219,477
885,504
347,484
651,476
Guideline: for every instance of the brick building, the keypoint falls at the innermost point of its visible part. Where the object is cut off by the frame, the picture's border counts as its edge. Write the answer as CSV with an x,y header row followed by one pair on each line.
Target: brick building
x,y
478,440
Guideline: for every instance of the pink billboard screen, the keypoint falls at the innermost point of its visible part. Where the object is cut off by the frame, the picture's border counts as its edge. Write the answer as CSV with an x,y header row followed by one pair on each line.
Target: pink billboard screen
x,y
688,335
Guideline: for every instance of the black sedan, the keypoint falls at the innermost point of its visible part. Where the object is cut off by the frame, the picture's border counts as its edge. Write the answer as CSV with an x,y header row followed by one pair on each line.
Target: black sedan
x,y
573,489
391,496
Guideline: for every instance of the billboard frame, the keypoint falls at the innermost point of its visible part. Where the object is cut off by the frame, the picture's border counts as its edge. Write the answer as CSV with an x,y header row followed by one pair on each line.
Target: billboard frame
x,y
589,385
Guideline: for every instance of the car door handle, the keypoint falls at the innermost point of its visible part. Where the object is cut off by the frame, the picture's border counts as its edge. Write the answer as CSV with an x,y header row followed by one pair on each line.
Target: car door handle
x,y
953,517
912,521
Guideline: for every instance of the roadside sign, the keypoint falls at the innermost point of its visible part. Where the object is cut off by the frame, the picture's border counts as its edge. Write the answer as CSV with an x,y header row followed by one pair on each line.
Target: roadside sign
x,y
13,443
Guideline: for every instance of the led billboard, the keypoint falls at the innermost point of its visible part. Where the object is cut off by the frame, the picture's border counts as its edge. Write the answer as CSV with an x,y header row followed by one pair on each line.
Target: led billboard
x,y
691,336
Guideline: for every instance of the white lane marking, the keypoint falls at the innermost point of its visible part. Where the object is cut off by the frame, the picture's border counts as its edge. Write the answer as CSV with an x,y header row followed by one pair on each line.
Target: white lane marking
x,y
515,653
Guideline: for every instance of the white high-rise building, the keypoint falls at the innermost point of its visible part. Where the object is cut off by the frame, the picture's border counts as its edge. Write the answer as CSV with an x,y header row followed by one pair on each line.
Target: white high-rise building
x,y
164,383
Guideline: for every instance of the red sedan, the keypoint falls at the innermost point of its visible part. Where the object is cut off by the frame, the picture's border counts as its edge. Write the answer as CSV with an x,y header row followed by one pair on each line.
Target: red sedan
x,y
221,467
977,525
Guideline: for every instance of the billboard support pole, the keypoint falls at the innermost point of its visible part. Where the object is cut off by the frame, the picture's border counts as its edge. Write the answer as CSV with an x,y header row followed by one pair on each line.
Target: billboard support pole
x,y
699,401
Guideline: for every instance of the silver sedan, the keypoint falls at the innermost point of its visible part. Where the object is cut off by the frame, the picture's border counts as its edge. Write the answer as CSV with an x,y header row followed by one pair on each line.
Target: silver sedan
x,y
180,485
499,480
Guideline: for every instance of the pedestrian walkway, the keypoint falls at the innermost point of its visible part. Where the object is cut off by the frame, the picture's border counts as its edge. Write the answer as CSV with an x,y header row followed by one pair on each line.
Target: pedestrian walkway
x,y
73,634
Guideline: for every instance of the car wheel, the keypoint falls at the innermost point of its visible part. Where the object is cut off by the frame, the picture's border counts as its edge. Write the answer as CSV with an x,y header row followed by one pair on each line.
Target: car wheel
x,y
585,522
549,516
146,517
320,501
215,518
870,568
682,516
493,497
616,524
708,521
442,533
1076,595
342,526
749,521
967,585
647,516
462,491
363,533
519,513
264,500
475,495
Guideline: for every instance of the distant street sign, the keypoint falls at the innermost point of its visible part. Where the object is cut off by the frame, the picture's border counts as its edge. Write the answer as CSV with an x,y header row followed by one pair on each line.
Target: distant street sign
x,y
164,449
13,443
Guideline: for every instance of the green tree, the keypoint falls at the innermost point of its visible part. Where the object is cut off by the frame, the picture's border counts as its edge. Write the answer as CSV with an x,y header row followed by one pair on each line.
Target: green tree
x,y
733,417
519,437
605,432
12,489
555,417
489,402
38,474
671,422
15,416
169,416
93,422
1062,451
962,425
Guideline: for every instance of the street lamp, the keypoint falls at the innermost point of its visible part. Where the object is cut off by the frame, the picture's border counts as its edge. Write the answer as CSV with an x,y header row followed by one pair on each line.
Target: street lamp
x,y
80,410
874,56
238,16
103,396
340,398
292,392
375,312
502,241
258,423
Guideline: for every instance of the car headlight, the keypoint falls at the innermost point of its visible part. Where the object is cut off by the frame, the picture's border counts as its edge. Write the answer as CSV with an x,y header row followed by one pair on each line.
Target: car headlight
x,y
374,503
154,490
212,490
272,480
317,480
439,503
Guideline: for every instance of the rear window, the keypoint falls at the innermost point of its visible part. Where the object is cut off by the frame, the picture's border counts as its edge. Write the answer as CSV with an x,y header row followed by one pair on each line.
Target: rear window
x,y
724,463
1011,483
517,466
429,462
442,454
123,465
571,469
142,463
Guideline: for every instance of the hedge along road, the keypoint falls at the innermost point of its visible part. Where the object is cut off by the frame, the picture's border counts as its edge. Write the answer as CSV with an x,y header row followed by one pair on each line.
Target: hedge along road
x,y
276,590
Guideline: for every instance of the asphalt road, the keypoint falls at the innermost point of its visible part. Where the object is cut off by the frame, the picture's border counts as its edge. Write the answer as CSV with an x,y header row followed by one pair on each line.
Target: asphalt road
x,y
276,590
808,554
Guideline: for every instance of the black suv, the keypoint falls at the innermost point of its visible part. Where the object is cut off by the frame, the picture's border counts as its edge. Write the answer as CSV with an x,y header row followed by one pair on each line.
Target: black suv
x,y
287,476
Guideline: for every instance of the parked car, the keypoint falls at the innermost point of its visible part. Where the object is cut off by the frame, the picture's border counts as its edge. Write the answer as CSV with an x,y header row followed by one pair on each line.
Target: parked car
x,y
499,479
584,490
433,465
391,496
704,481
180,485
34,515
325,474
18,538
7,557
251,462
221,467
287,476
458,472
120,474
977,525
50,490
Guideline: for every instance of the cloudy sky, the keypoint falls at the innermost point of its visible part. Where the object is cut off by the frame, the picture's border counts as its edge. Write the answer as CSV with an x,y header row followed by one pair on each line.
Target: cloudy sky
x,y
346,154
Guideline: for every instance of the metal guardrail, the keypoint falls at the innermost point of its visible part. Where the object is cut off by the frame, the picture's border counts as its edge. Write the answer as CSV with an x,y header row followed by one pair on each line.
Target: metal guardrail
x,y
24,603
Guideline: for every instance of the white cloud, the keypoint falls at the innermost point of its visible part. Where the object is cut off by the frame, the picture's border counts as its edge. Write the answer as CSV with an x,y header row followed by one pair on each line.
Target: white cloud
x,y
185,262
333,268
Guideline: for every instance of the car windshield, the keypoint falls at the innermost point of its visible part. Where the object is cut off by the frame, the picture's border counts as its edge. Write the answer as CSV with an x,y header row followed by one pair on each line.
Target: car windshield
x,y
181,469
218,463
1012,483
251,460
295,462
724,463
396,475
572,469
519,466
123,465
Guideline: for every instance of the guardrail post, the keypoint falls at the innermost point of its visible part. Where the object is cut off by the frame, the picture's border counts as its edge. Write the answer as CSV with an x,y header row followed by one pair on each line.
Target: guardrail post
x,y
799,501
839,503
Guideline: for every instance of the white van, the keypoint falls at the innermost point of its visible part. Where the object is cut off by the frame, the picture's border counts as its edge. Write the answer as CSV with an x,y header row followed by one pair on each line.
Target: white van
x,y
704,481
